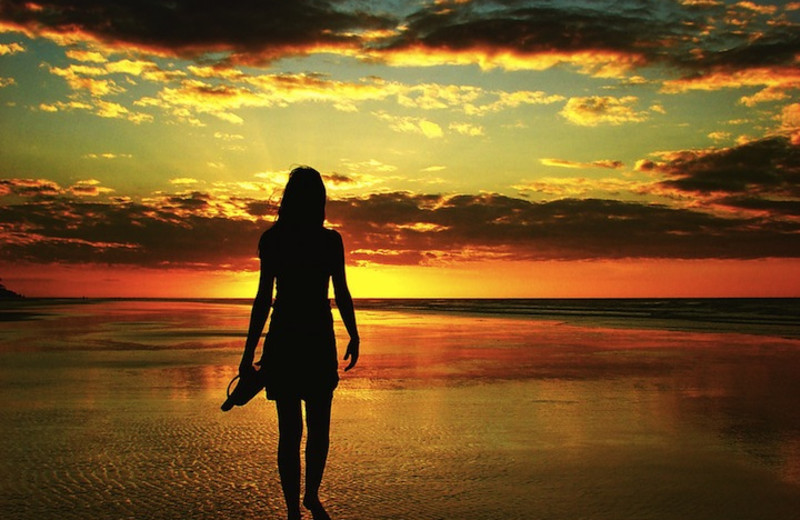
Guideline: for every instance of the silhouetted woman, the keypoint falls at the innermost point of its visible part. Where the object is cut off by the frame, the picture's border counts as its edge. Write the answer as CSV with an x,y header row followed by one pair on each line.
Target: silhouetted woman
x,y
299,255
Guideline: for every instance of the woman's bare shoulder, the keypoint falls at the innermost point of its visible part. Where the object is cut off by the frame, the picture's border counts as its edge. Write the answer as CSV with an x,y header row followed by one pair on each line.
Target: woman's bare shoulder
x,y
332,234
267,239
333,237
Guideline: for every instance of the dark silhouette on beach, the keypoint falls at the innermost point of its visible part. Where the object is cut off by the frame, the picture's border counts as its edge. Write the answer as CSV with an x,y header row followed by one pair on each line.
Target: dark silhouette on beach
x,y
299,256
7,294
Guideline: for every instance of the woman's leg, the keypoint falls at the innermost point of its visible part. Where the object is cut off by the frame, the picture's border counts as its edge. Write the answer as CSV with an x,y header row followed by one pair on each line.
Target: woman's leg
x,y
318,421
290,429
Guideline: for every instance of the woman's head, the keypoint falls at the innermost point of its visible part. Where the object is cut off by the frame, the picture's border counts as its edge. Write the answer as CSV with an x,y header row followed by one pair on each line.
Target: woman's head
x,y
303,201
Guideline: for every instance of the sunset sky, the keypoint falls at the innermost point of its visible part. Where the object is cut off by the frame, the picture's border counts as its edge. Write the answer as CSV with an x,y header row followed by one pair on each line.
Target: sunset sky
x,y
470,148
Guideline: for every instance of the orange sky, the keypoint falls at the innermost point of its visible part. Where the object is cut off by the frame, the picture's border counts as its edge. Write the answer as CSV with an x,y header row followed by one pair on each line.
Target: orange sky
x,y
547,279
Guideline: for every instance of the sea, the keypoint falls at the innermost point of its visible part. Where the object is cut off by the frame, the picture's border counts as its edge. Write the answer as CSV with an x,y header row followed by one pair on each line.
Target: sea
x,y
600,409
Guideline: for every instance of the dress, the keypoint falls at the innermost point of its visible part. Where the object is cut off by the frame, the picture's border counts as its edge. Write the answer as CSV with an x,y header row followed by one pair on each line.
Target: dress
x,y
299,354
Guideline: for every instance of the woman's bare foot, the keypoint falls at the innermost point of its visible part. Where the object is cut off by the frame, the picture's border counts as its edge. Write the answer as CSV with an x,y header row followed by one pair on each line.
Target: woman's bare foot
x,y
315,506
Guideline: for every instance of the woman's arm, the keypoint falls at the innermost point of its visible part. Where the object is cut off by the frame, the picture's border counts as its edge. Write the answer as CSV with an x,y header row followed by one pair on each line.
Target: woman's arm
x,y
258,318
344,302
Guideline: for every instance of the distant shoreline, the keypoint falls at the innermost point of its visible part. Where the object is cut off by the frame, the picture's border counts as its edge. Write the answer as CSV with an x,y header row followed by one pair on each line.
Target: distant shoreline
x,y
400,299
7,294
778,317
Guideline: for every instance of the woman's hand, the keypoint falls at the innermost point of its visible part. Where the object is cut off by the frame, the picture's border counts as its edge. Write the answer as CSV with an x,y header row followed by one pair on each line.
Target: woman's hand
x,y
352,352
246,365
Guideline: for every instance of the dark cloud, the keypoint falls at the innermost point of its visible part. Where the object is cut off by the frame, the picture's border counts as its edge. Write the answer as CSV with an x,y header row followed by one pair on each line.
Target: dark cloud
x,y
192,201
732,36
528,29
392,228
196,27
175,233
260,208
338,179
768,167
779,47
29,187
774,207
42,222
563,229
697,38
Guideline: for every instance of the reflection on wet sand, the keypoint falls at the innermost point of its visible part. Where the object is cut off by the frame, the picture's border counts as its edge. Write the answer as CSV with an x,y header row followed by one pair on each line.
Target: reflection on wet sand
x,y
111,411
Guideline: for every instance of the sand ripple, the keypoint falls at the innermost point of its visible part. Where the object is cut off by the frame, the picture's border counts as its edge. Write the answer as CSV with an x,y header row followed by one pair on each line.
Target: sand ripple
x,y
89,465
451,418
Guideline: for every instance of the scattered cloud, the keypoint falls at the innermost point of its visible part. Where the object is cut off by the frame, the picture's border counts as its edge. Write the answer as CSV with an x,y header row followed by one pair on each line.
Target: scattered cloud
x,y
581,187
515,99
220,91
83,77
60,106
194,97
431,96
707,45
90,90
86,56
10,48
564,163
228,137
340,182
370,165
790,120
775,81
719,136
766,95
89,188
761,9
467,129
183,181
29,187
108,155
411,125
598,110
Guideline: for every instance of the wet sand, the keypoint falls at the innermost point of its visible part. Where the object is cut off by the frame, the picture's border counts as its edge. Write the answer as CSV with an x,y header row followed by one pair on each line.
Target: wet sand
x,y
111,410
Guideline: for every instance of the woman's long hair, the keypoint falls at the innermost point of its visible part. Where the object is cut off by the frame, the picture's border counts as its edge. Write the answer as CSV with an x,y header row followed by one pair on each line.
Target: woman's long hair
x,y
303,202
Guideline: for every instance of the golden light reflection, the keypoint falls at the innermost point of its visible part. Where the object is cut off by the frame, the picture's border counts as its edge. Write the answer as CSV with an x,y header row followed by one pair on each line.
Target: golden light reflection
x,y
489,279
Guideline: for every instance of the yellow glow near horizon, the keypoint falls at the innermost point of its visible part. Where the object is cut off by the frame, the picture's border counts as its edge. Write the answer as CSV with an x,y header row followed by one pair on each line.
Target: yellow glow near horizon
x,y
576,279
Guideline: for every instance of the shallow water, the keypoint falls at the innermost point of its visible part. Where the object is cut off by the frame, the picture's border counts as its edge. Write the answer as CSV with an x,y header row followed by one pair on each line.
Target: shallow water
x,y
111,410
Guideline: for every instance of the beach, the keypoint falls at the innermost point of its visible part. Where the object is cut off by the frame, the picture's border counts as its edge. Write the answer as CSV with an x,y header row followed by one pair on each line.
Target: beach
x,y
111,410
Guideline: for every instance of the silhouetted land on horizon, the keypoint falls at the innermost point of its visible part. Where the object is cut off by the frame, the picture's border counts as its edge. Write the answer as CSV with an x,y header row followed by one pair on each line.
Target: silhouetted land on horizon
x,y
7,293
